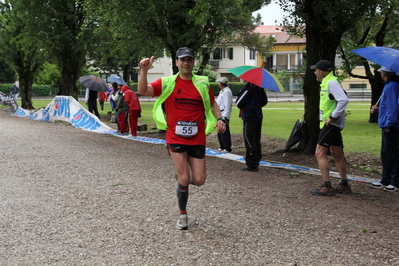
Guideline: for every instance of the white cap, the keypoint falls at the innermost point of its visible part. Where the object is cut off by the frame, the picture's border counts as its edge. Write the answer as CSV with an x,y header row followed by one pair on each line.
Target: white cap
x,y
385,69
223,80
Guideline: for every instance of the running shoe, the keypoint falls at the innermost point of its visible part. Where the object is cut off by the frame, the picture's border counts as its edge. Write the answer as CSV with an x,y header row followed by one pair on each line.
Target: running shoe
x,y
377,185
390,188
182,222
343,189
323,191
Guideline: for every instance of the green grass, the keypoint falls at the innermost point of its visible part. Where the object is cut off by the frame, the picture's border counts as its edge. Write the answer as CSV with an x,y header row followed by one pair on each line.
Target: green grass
x,y
279,118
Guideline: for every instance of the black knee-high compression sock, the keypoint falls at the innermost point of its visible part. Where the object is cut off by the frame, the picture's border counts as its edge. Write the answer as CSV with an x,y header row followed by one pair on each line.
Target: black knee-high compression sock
x,y
182,197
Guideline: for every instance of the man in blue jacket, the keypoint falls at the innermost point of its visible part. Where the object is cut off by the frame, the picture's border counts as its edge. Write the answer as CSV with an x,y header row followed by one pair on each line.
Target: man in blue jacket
x,y
388,121
250,101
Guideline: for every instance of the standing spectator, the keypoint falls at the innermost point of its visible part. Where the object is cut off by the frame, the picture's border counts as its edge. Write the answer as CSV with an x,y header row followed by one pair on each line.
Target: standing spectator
x,y
186,108
134,109
122,110
250,101
111,92
225,100
388,121
333,101
102,97
91,101
14,90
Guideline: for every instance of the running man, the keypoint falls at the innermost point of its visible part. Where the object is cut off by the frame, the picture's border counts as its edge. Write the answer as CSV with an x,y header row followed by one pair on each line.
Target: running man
x,y
187,110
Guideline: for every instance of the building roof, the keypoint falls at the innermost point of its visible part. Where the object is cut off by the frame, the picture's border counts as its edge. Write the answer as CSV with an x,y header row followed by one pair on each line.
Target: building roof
x,y
281,36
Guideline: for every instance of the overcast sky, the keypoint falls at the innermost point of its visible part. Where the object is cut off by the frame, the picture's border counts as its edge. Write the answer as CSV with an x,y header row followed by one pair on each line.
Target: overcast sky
x,y
270,13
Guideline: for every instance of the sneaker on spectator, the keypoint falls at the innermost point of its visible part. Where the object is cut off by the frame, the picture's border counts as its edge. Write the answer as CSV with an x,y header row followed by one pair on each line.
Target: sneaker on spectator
x,y
343,189
377,185
219,150
323,191
390,188
182,222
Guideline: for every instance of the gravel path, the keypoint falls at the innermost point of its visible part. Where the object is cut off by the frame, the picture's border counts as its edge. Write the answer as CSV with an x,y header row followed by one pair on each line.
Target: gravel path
x,y
71,197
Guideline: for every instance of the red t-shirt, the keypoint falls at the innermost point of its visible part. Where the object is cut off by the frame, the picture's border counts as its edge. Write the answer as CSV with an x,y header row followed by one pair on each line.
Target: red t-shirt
x,y
184,104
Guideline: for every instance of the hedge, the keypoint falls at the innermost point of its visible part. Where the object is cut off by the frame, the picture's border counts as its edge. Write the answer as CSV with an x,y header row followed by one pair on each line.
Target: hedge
x,y
37,90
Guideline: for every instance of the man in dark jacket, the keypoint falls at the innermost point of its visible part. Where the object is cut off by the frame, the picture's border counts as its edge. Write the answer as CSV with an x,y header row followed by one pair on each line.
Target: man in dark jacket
x,y
250,101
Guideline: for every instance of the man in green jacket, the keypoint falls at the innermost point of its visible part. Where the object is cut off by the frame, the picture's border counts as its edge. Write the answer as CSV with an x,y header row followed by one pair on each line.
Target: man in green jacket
x,y
333,101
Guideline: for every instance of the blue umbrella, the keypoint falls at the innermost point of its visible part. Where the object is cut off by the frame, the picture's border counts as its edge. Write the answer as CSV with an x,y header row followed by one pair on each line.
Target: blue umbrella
x,y
383,56
117,79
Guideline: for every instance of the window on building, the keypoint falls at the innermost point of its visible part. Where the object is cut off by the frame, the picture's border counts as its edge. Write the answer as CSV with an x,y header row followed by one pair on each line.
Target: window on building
x,y
252,54
223,54
217,54
358,86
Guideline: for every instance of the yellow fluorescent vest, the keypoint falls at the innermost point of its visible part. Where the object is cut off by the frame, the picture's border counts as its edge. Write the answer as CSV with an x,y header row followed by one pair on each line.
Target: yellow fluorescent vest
x,y
326,105
201,83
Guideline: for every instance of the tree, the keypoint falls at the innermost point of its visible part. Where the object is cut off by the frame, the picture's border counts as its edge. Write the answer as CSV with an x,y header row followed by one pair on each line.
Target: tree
x,y
63,31
154,25
20,51
323,23
7,75
380,29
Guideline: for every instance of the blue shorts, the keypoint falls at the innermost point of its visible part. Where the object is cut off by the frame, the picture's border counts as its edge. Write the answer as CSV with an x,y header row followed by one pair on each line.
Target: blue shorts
x,y
330,136
195,151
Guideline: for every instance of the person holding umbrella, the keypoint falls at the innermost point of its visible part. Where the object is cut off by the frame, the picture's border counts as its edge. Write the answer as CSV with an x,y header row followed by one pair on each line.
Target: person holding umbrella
x,y
333,101
91,101
187,110
250,101
388,121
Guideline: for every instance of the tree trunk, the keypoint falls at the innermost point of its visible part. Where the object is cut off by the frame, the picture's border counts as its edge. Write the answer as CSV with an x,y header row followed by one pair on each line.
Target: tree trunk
x,y
204,63
69,79
319,45
126,71
25,92
376,90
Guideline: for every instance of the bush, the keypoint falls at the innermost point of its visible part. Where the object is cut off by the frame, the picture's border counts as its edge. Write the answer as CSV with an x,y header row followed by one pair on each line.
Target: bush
x,y
235,87
37,90
5,88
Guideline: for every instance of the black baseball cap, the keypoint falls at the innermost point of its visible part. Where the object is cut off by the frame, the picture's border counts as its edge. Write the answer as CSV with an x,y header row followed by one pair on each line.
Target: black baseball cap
x,y
324,65
185,51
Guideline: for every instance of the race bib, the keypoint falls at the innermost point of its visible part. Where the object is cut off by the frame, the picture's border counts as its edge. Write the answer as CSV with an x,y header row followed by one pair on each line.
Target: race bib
x,y
186,129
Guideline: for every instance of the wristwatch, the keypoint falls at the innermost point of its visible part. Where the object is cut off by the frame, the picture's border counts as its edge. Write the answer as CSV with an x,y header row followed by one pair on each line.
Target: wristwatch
x,y
222,118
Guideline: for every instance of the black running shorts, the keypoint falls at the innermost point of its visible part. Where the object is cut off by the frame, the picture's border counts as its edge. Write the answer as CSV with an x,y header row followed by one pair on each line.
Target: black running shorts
x,y
330,136
195,151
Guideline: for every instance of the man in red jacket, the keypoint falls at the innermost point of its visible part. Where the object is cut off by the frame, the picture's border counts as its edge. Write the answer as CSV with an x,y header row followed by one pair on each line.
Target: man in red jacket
x,y
132,100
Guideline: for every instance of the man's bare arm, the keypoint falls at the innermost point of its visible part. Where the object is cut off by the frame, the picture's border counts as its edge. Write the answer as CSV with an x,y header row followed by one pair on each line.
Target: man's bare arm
x,y
144,88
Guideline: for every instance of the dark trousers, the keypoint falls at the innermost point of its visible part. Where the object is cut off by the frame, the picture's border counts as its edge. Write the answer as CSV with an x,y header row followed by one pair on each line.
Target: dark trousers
x,y
390,157
252,135
225,139
92,105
